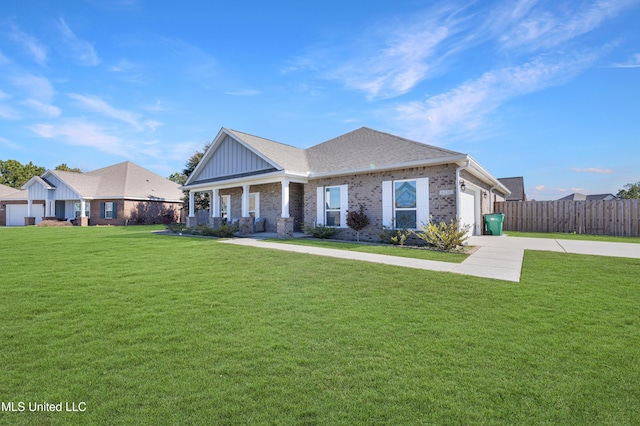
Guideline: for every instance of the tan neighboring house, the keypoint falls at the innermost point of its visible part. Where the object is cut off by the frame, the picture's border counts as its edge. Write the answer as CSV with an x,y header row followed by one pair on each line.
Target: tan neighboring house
x,y
396,180
108,196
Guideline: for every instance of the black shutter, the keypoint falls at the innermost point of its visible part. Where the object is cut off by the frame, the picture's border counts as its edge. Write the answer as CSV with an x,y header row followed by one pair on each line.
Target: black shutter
x,y
114,206
102,210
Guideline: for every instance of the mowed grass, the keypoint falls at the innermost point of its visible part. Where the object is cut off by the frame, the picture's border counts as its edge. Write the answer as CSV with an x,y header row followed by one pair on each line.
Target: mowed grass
x,y
150,329
389,250
582,237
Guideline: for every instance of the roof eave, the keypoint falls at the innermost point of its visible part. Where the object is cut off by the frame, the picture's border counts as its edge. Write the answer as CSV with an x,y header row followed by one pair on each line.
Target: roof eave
x,y
457,159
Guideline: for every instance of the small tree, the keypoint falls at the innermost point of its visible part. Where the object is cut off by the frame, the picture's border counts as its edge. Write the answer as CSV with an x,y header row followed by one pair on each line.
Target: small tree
x,y
357,220
631,191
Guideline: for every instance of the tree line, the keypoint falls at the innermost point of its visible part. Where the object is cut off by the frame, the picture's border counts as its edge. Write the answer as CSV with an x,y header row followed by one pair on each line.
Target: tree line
x,y
15,174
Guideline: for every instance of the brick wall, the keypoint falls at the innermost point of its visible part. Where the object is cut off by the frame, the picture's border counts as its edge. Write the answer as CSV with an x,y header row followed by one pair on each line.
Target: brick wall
x,y
366,189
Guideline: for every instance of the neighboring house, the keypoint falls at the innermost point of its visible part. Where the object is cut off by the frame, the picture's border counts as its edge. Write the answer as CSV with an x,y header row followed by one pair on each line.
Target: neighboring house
x,y
398,181
582,197
516,186
109,196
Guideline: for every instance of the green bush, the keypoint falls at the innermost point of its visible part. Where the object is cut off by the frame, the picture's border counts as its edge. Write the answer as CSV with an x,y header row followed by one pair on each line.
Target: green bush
x,y
393,236
176,227
444,236
320,231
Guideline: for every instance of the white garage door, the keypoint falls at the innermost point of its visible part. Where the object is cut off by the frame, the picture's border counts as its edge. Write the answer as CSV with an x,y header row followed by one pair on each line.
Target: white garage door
x,y
17,212
468,210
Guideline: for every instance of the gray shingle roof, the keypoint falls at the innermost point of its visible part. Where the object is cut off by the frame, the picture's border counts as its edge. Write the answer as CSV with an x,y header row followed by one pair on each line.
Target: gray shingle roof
x,y
9,193
288,157
365,147
122,180
516,186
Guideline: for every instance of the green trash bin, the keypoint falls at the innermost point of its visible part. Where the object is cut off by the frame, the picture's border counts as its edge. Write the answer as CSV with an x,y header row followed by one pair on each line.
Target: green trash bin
x,y
493,223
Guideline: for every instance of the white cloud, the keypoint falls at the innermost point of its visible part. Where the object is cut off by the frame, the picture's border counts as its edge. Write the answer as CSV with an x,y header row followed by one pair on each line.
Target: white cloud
x,y
98,105
8,144
243,92
591,170
543,29
8,113
632,62
81,51
466,108
46,109
38,87
31,45
81,133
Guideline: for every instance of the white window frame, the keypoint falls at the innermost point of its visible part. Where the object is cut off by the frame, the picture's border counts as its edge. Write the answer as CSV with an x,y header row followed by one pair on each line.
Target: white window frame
x,y
404,209
108,214
225,207
77,206
321,216
422,201
255,196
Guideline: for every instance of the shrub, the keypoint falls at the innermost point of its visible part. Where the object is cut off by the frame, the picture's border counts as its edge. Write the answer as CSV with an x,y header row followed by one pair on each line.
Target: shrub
x,y
394,236
321,231
357,220
176,227
55,223
447,237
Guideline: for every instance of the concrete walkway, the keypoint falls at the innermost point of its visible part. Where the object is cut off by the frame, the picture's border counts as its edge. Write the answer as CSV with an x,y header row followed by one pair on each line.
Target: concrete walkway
x,y
498,258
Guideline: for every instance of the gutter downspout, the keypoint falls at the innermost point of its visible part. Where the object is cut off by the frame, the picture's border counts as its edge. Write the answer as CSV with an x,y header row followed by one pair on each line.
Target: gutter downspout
x,y
491,197
458,186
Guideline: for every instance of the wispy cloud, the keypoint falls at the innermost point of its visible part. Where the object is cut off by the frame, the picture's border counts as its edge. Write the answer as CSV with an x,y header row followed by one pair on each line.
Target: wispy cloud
x,y
82,133
44,108
29,43
632,62
10,145
80,50
243,92
596,170
98,105
37,87
464,109
541,28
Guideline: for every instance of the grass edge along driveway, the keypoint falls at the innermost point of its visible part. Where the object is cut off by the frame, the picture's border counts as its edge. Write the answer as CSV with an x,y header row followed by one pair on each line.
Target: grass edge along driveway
x,y
153,330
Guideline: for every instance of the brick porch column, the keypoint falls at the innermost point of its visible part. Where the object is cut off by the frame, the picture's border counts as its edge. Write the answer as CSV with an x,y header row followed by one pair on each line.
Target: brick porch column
x,y
285,227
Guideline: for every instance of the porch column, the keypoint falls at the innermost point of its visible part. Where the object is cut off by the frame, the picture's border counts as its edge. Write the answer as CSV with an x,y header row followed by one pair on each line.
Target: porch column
x,y
83,220
214,205
192,203
245,201
285,199
246,221
29,204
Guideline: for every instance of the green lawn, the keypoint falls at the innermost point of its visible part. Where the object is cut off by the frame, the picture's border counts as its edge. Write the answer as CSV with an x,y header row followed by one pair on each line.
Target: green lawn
x,y
389,250
563,236
151,329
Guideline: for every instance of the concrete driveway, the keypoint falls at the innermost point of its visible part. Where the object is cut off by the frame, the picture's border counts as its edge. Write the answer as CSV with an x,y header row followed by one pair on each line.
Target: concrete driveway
x,y
597,248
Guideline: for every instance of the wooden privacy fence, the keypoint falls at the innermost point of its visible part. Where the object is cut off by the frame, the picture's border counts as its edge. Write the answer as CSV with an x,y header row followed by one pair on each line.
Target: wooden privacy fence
x,y
617,217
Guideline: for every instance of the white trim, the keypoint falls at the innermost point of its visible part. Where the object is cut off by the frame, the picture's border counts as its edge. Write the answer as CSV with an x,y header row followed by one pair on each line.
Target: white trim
x,y
422,201
273,177
387,203
320,206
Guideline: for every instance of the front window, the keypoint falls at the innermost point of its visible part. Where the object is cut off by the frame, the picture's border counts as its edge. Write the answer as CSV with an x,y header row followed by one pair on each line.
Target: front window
x,y
332,206
405,204
224,206
108,210
254,204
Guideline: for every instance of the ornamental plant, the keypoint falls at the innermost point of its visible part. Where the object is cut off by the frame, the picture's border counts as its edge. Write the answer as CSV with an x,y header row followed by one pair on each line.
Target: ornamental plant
x,y
444,236
357,220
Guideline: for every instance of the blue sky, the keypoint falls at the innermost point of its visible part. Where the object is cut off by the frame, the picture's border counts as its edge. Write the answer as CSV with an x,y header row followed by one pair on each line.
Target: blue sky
x,y
548,90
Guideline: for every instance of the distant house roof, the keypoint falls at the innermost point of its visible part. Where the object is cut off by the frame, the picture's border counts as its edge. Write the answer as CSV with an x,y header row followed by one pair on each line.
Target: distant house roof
x,y
122,180
516,186
6,190
582,197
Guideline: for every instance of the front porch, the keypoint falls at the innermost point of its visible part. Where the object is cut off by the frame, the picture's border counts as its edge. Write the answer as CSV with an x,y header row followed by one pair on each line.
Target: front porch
x,y
258,208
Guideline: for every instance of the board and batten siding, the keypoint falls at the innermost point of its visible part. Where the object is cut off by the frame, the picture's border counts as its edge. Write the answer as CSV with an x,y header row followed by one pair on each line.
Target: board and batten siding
x,y
232,158
62,191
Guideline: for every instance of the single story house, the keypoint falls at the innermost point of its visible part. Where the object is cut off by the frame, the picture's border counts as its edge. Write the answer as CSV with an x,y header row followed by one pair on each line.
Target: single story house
x,y
111,195
516,186
399,182
582,197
